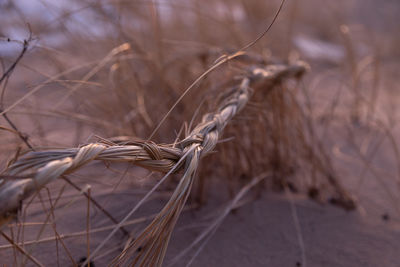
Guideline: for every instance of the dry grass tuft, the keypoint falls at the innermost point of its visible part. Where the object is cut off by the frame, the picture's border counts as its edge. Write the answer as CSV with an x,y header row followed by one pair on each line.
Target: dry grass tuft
x,y
115,69
47,166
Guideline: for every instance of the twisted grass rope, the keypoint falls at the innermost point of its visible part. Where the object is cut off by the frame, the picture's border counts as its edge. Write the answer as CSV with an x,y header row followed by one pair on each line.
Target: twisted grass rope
x,y
42,167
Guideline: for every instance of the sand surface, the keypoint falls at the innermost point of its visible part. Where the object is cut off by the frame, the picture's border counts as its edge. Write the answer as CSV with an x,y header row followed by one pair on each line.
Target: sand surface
x,y
263,233
260,233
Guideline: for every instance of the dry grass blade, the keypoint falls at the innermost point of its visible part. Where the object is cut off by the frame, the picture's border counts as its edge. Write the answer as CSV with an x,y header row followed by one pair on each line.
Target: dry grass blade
x,y
21,249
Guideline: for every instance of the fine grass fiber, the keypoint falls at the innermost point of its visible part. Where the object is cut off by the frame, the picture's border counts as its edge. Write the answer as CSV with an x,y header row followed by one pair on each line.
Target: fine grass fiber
x,y
118,117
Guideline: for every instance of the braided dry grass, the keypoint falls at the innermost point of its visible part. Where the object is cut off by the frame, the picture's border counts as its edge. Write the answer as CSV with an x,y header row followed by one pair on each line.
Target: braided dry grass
x,y
36,169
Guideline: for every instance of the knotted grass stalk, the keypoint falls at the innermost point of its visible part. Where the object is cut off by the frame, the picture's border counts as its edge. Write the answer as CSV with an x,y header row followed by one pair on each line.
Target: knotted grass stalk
x,y
36,169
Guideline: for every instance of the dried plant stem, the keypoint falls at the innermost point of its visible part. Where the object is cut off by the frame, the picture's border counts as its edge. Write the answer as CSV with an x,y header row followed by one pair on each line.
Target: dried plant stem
x,y
20,249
